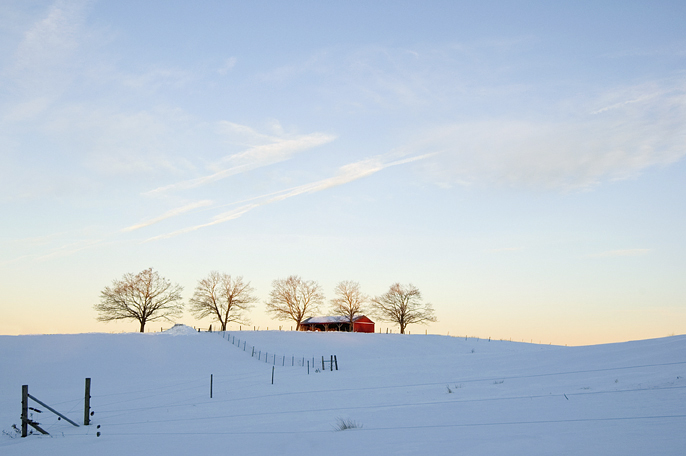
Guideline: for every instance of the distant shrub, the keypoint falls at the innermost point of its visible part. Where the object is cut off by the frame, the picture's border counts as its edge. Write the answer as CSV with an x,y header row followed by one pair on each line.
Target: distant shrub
x,y
343,424
450,390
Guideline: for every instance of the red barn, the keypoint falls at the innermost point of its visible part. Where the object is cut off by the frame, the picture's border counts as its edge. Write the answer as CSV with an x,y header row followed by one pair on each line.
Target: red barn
x,y
360,324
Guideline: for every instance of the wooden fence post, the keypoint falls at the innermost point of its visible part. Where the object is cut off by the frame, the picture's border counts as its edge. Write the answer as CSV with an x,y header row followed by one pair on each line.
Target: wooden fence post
x,y
24,410
336,361
26,422
87,403
331,363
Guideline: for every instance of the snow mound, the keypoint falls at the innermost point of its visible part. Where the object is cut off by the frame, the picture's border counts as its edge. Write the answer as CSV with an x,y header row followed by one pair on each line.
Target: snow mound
x,y
181,330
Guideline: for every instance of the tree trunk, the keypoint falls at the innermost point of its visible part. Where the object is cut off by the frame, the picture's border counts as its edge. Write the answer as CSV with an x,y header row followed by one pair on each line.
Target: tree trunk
x,y
142,326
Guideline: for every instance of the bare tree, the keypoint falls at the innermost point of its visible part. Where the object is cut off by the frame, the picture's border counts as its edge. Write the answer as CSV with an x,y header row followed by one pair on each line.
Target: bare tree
x,y
294,299
403,305
224,298
144,297
349,301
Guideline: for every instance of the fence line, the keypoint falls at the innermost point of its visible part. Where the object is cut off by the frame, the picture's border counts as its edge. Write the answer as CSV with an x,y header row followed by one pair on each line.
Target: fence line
x,y
310,410
316,363
395,331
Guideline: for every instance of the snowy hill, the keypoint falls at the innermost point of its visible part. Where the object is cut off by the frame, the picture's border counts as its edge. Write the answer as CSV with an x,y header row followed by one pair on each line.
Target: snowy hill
x,y
408,394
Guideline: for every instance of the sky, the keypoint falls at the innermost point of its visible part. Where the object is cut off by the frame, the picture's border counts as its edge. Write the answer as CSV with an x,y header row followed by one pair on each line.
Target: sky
x,y
521,163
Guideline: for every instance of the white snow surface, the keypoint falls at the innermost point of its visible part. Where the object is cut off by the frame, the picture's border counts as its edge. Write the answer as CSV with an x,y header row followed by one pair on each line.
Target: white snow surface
x,y
181,330
409,394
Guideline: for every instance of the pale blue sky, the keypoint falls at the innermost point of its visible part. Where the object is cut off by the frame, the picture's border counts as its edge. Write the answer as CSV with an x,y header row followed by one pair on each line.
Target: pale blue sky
x,y
519,162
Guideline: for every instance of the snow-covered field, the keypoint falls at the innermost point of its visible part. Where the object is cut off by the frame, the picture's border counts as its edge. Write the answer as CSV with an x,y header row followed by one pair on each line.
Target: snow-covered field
x,y
409,394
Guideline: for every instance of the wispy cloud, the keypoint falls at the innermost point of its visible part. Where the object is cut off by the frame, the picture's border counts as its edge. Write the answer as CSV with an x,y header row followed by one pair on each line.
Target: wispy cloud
x,y
169,214
42,240
80,135
113,142
70,249
346,174
281,149
642,99
246,136
276,150
154,78
630,130
395,78
500,125
227,66
620,253
43,59
62,244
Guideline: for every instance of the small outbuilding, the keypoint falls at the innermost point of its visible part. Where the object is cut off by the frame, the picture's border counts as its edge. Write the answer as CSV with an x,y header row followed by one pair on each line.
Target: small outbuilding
x,y
360,324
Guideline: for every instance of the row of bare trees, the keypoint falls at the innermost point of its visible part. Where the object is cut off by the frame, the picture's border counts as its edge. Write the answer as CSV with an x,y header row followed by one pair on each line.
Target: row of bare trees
x,y
147,297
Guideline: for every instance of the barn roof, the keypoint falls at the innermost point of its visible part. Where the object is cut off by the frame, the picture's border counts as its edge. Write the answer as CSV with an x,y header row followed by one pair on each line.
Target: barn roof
x,y
329,320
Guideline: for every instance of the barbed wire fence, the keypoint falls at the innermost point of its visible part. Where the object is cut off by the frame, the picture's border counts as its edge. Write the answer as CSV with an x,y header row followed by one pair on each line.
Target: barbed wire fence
x,y
114,416
318,363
